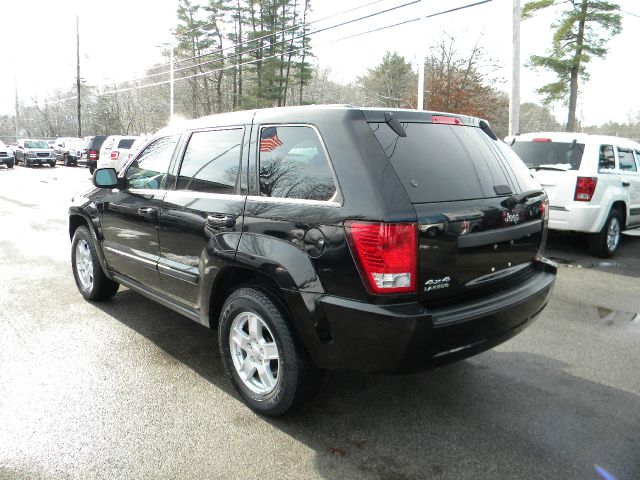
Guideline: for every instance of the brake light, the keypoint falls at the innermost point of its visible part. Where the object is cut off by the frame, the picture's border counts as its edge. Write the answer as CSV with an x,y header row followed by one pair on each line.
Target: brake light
x,y
446,120
585,187
385,254
93,154
544,209
541,140
115,155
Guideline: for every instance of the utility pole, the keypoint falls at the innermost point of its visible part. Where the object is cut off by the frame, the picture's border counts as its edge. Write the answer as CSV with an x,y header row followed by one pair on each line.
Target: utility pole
x,y
421,52
514,100
171,82
78,74
17,117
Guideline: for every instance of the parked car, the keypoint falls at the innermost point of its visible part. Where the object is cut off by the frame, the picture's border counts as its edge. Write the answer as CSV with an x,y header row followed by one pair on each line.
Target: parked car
x,y
91,152
35,152
323,238
62,145
593,183
114,152
6,155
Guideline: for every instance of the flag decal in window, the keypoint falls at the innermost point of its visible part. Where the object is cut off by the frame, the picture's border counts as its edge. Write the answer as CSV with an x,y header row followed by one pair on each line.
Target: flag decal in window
x,y
269,140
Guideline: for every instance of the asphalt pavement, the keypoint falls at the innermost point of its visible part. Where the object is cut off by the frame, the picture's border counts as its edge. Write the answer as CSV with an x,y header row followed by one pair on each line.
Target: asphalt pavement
x,y
127,389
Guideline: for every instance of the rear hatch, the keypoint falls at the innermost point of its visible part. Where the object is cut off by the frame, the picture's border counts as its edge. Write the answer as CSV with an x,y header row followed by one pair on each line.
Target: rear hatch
x,y
554,164
480,212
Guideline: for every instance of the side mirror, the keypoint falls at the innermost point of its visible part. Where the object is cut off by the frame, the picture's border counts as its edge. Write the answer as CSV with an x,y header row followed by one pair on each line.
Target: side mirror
x,y
105,178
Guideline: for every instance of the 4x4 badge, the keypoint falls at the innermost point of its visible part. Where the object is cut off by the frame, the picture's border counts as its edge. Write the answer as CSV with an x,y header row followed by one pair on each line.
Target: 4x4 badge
x,y
437,284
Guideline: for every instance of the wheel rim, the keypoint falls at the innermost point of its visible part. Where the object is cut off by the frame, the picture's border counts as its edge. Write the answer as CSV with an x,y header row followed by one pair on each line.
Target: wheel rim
x,y
84,264
255,353
613,234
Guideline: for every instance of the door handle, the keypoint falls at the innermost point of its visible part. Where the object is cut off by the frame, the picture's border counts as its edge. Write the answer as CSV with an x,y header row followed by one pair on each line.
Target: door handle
x,y
626,184
221,221
148,212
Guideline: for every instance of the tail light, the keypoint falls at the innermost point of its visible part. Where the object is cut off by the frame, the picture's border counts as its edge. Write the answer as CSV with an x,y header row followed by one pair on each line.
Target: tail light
x,y
93,154
585,186
114,155
385,254
544,209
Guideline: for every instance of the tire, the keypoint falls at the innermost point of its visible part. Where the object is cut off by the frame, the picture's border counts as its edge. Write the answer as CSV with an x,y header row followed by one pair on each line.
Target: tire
x,y
87,272
91,170
25,162
281,377
52,164
10,164
606,242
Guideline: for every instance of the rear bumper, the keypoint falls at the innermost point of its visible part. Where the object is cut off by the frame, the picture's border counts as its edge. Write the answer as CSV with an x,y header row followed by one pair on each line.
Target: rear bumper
x,y
410,337
578,217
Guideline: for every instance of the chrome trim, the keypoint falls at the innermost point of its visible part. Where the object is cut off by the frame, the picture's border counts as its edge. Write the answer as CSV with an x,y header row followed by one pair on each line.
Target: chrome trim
x,y
130,256
560,209
300,201
176,273
496,275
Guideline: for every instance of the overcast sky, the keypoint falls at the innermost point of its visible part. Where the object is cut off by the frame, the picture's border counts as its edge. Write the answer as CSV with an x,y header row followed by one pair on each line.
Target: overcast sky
x,y
119,38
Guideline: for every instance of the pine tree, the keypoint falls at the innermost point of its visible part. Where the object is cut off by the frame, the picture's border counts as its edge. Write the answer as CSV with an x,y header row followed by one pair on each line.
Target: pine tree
x,y
581,34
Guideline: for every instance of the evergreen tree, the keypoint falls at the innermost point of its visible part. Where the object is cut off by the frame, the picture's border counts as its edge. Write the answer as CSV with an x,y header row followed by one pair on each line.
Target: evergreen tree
x,y
581,34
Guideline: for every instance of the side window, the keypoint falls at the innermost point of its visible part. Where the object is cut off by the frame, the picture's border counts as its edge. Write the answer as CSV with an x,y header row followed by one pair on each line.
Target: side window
x,y
293,164
607,158
627,162
149,169
211,162
637,152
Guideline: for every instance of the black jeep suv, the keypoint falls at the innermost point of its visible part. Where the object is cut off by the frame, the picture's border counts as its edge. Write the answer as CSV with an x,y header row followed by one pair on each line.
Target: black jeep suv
x,y
323,238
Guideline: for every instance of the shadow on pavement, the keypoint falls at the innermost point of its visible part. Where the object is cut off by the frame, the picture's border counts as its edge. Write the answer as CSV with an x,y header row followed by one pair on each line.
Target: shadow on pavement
x,y
572,250
498,415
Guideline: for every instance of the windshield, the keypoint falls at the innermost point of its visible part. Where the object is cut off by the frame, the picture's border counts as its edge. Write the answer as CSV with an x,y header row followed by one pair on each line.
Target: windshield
x,y
36,144
565,156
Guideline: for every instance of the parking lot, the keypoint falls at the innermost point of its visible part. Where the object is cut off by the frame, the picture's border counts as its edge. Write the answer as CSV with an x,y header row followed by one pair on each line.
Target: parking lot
x,y
129,389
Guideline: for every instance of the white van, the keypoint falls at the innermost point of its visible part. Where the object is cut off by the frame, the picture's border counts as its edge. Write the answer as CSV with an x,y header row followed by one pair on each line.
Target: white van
x,y
114,151
593,183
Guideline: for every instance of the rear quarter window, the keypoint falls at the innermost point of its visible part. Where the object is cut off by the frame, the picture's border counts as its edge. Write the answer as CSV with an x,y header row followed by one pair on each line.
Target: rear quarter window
x,y
126,143
441,163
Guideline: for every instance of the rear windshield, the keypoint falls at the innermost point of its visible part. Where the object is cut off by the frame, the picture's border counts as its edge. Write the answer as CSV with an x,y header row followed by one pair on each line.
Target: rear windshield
x,y
442,163
561,155
126,143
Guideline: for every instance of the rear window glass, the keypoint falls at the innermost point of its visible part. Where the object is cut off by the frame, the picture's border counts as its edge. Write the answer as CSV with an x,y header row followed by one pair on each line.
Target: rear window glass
x,y
126,143
441,163
561,155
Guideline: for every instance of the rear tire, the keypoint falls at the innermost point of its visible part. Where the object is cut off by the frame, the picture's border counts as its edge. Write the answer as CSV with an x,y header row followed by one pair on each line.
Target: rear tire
x,y
91,281
606,242
273,379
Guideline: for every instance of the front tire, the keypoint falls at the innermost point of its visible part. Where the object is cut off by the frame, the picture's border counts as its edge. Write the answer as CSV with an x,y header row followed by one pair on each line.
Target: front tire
x,y
91,281
606,242
260,353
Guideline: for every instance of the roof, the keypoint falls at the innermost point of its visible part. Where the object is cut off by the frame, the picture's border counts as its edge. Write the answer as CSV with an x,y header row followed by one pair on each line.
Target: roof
x,y
578,136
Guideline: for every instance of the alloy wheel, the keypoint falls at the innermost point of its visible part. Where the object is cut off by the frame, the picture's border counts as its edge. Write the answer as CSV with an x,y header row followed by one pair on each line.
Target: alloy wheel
x,y
255,353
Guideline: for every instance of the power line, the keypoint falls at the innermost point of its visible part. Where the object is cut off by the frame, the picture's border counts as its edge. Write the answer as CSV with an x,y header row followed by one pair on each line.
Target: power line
x,y
296,27
187,77
279,42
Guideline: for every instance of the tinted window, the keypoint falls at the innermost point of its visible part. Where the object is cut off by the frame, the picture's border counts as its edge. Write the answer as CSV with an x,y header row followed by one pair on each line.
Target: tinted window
x,y
149,169
627,162
293,164
211,162
440,163
565,155
607,159
126,143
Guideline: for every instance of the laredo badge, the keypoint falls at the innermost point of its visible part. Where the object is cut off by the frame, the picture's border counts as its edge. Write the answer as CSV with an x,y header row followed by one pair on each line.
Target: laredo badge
x,y
437,284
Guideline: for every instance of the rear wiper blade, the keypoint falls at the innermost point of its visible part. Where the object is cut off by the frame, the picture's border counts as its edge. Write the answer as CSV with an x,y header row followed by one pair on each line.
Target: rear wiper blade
x,y
519,198
559,167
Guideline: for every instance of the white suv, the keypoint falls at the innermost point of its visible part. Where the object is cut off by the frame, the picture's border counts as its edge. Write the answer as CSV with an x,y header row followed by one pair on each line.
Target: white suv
x,y
593,183
114,152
